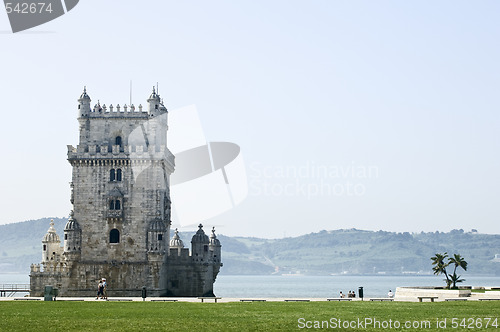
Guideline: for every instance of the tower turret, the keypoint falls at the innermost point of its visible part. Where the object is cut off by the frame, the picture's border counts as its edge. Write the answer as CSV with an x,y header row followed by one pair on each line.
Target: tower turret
x,y
51,245
215,248
155,104
199,245
176,242
72,236
157,235
84,103
214,245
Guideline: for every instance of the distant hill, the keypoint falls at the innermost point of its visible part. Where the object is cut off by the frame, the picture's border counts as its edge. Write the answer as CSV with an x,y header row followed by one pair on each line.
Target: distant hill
x,y
21,243
349,251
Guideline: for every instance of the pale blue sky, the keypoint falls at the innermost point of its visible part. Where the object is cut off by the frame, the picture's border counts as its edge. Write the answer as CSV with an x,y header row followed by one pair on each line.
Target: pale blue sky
x,y
409,88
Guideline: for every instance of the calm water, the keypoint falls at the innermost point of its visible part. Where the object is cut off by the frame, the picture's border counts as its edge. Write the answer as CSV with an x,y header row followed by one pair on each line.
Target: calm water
x,y
309,286
328,286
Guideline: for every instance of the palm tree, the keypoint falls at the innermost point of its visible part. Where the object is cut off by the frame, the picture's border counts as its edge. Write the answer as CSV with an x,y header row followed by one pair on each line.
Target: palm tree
x,y
454,279
458,261
440,266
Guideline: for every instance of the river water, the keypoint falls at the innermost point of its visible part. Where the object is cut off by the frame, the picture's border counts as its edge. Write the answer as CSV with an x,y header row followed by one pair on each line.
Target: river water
x,y
310,286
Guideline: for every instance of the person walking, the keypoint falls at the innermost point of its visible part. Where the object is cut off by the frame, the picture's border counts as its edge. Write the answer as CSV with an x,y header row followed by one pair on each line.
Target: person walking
x,y
100,290
104,289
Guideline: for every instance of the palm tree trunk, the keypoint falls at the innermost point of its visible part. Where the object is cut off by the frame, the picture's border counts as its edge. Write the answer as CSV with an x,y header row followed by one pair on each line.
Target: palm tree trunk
x,y
447,279
454,279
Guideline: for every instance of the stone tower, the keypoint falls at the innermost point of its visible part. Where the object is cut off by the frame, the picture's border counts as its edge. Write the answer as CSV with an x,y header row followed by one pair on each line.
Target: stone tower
x,y
119,227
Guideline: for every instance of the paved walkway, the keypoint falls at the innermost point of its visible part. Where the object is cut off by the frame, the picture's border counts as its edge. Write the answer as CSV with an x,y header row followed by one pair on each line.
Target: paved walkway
x,y
219,300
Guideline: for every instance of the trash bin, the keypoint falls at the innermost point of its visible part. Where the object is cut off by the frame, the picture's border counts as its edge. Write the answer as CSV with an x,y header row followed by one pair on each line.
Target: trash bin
x,y
48,293
144,293
360,293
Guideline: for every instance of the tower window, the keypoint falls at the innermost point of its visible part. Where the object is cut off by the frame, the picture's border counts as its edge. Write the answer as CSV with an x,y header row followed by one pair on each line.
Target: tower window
x,y
114,236
44,247
112,176
160,237
65,236
115,204
118,140
205,248
118,174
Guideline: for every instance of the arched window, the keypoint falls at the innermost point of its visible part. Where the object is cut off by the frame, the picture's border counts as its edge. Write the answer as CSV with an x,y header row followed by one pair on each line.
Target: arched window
x,y
118,140
112,175
118,174
115,204
114,236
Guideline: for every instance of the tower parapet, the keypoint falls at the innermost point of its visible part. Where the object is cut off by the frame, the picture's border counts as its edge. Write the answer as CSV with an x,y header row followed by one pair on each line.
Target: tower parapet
x,y
98,111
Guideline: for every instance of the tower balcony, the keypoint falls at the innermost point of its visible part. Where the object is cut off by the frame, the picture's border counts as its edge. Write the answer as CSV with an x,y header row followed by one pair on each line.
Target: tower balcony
x,y
114,214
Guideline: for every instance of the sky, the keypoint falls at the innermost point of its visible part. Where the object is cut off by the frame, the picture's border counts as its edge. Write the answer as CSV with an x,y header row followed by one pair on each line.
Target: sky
x,y
376,115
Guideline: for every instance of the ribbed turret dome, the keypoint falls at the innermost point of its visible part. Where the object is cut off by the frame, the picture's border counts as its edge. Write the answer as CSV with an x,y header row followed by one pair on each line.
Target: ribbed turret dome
x,y
84,95
51,235
200,236
157,225
213,238
154,95
72,224
176,241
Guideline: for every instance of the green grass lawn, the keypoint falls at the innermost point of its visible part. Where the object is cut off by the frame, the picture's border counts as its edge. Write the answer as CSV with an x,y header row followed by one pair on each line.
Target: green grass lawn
x,y
268,316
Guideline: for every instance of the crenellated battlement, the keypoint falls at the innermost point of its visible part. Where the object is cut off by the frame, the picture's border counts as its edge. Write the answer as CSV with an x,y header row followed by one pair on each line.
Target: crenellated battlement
x,y
118,111
49,267
35,268
153,107
183,256
131,152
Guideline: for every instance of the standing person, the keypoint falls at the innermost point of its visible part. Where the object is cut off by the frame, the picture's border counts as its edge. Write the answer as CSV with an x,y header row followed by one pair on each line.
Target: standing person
x,y
99,290
104,288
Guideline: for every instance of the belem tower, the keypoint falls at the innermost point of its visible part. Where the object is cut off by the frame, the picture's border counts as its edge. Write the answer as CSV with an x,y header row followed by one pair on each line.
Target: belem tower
x,y
119,228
